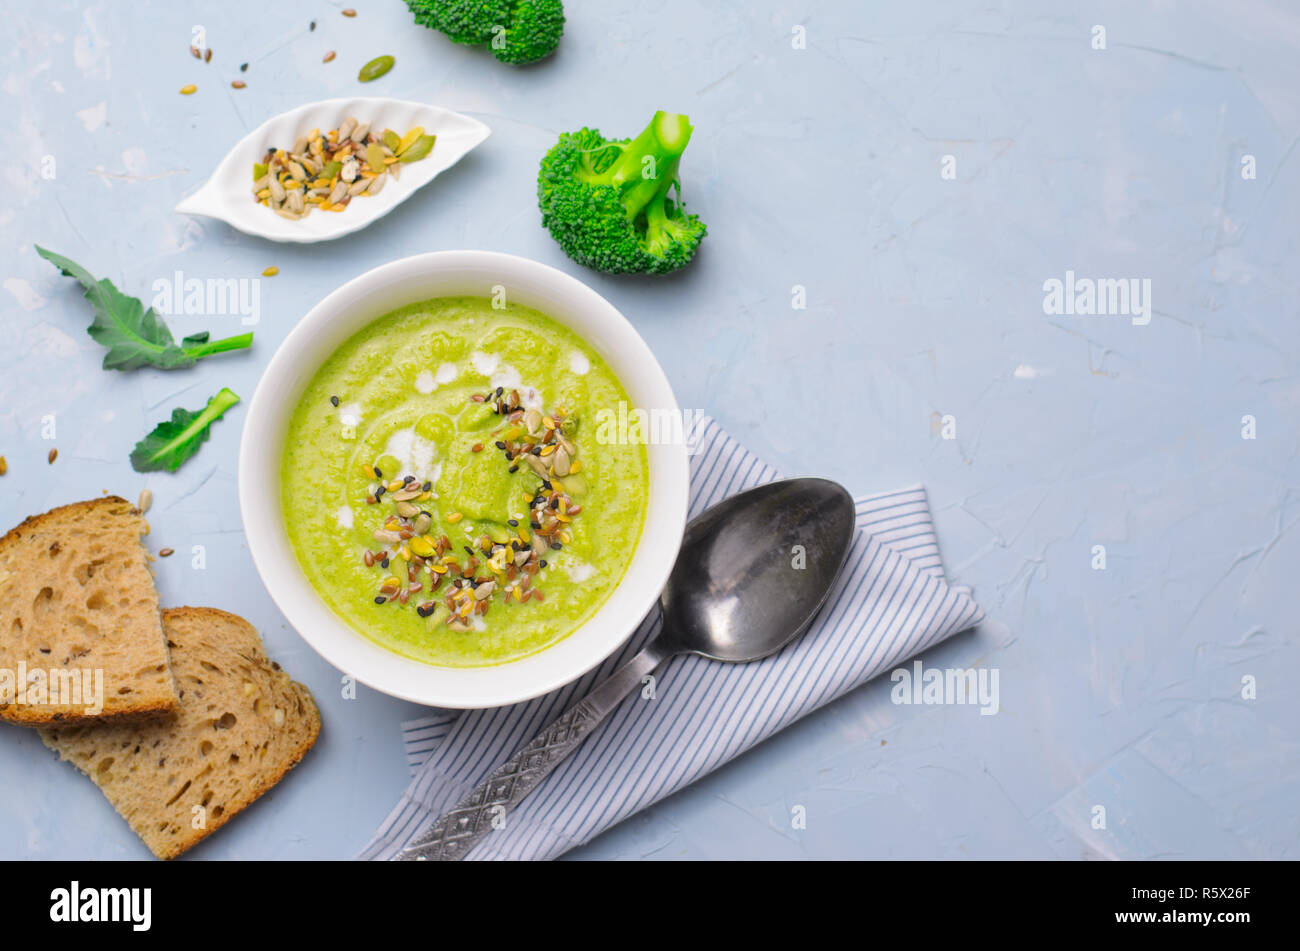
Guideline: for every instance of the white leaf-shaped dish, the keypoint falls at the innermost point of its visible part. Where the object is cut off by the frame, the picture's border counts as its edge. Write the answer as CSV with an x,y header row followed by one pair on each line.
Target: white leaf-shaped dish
x,y
228,195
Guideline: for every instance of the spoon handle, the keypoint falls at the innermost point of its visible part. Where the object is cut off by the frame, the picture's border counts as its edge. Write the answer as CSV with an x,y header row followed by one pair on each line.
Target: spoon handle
x,y
487,807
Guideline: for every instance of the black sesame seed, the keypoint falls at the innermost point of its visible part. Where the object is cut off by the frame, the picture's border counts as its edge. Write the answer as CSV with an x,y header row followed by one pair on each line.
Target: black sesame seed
x,y
500,390
556,546
500,445
469,551
513,469
546,485
380,599
408,480
535,524
383,563
542,563
378,474
512,522
555,502
381,490
334,400
427,486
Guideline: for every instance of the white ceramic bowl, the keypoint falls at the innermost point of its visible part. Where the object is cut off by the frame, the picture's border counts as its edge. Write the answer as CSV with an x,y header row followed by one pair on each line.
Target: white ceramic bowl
x,y
317,336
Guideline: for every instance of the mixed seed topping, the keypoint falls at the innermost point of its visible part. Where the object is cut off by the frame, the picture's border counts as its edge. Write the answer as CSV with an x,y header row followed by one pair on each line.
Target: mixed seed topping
x,y
417,558
328,171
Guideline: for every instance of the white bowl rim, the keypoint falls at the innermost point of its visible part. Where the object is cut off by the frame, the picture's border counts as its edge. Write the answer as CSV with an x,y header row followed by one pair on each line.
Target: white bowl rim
x,y
335,318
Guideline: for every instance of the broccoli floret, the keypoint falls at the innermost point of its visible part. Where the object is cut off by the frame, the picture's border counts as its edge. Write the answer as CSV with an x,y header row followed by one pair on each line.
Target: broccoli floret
x,y
532,33
607,202
517,31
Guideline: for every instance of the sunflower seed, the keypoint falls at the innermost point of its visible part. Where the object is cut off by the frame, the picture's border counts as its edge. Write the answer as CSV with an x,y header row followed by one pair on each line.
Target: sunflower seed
x,y
277,190
340,190
407,509
376,185
359,133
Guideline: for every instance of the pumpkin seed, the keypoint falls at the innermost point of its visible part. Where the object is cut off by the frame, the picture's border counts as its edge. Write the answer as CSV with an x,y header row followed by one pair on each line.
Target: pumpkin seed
x,y
391,139
421,147
407,141
375,157
375,68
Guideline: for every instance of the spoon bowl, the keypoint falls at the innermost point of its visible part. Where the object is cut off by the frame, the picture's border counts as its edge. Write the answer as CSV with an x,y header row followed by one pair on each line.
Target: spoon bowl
x,y
754,570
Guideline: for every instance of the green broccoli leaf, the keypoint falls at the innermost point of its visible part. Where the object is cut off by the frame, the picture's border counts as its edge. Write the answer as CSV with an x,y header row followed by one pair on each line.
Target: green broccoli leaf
x,y
173,441
136,337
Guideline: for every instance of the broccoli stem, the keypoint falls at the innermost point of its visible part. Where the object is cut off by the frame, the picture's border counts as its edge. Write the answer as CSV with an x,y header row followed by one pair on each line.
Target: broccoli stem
x,y
641,183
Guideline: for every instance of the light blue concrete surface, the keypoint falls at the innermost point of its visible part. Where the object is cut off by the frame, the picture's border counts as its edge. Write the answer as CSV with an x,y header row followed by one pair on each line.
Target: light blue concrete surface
x,y
820,167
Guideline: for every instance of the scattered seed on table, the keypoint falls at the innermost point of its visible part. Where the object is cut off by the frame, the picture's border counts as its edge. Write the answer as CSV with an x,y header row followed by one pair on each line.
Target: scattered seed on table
x,y
166,552
146,500
238,84
312,26
189,90
375,68
243,67
328,57
349,12
196,52
54,454
207,55
4,466
271,271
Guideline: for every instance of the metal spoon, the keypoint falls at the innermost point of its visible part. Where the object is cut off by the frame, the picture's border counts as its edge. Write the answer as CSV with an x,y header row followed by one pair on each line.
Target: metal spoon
x,y
752,573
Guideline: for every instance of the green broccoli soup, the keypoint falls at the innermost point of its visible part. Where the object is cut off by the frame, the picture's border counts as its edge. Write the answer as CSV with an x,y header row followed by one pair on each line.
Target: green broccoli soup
x,y
444,489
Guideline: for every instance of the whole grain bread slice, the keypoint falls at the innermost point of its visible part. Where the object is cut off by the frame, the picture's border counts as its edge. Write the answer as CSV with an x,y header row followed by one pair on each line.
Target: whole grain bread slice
x,y
80,635
242,724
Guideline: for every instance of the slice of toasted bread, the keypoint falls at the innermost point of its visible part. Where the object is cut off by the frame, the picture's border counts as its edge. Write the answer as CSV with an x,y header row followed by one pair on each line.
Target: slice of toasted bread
x,y
80,636
242,724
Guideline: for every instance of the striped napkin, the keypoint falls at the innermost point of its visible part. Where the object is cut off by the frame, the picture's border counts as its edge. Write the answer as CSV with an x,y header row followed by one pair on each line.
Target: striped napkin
x,y
891,602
